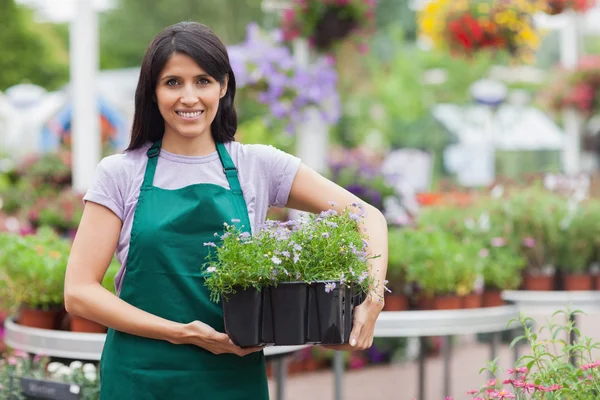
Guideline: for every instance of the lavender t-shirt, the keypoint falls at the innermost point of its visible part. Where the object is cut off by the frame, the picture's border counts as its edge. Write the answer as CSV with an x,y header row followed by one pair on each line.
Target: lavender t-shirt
x,y
265,174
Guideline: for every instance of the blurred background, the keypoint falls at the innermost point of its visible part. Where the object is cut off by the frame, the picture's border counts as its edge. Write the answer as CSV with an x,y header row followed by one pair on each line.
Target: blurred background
x,y
473,125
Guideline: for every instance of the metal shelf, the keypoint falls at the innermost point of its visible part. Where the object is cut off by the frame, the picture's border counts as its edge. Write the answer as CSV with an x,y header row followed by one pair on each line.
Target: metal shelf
x,y
444,322
78,346
548,302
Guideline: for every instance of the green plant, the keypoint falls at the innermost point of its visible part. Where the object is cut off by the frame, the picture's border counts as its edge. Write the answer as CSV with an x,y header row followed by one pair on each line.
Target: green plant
x,y
546,372
324,247
33,268
19,364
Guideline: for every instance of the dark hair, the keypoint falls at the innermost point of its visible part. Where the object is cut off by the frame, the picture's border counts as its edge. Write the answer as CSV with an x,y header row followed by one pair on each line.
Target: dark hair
x,y
200,43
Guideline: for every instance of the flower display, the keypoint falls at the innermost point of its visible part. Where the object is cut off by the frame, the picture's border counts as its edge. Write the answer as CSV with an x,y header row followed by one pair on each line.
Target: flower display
x,y
326,247
262,64
558,6
324,22
466,27
575,89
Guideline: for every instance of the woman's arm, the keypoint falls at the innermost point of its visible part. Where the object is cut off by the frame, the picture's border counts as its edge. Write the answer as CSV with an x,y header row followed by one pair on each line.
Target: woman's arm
x,y
313,193
90,257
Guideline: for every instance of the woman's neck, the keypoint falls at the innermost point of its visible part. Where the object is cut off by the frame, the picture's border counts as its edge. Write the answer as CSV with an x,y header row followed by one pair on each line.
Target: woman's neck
x,y
189,146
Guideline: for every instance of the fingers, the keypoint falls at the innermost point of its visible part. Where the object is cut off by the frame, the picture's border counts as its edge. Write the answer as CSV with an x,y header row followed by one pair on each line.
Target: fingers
x,y
355,335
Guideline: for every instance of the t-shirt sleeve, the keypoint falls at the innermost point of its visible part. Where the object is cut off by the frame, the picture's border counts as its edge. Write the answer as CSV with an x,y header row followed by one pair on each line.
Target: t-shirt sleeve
x,y
281,169
104,189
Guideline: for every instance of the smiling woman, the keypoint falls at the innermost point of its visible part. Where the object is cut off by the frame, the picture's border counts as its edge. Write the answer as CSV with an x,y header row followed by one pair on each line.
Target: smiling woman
x,y
182,176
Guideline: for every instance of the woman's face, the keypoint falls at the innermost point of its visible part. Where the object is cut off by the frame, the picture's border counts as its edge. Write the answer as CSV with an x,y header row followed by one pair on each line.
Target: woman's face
x,y
187,97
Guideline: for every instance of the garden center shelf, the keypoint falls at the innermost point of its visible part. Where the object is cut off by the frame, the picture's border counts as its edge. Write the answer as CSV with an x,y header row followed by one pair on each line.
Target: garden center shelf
x,y
548,302
75,345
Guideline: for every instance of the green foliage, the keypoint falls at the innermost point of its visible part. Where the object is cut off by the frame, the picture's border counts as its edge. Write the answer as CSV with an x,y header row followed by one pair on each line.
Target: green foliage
x,y
31,52
127,30
33,269
325,247
546,371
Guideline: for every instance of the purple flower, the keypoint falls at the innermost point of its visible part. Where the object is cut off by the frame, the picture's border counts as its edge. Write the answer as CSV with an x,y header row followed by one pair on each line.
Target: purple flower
x,y
211,244
362,277
286,254
275,260
244,235
296,258
325,234
483,253
329,287
235,220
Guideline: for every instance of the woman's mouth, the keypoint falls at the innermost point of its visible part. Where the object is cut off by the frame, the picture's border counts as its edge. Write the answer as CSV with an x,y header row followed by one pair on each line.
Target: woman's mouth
x,y
190,115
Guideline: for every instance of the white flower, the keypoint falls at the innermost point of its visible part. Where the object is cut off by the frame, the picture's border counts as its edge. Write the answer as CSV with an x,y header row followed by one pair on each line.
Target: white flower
x,y
54,366
89,368
90,376
63,371
211,269
75,365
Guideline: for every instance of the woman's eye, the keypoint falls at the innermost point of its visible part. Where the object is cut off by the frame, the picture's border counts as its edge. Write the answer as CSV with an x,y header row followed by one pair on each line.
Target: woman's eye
x,y
171,82
203,81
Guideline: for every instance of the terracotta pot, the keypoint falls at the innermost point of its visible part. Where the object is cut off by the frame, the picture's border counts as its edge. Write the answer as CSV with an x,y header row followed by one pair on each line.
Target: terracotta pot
x,y
578,282
396,302
597,282
492,298
472,300
269,370
425,302
42,319
79,324
449,302
538,282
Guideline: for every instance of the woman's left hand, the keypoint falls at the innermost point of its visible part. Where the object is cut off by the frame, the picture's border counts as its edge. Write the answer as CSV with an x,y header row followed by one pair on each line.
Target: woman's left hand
x,y
365,316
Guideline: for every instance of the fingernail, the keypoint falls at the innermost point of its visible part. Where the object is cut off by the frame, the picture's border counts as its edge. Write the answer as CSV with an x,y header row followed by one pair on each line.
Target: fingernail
x,y
353,342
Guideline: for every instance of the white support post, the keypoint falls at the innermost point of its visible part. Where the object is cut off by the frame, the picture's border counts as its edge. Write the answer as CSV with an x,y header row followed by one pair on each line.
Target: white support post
x,y
572,121
85,127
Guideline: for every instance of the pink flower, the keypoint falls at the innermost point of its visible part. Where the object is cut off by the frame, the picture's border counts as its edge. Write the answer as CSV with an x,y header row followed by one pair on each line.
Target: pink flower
x,y
590,366
483,253
498,242
529,242
473,391
12,361
522,370
501,395
491,382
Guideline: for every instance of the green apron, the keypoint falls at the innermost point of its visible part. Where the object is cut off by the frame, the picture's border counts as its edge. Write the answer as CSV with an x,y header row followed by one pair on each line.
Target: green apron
x,y
165,277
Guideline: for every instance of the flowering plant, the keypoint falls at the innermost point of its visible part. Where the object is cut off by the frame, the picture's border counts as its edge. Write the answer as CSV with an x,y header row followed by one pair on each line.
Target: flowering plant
x,y
317,248
547,372
266,68
466,27
575,89
324,22
558,6
21,365
360,174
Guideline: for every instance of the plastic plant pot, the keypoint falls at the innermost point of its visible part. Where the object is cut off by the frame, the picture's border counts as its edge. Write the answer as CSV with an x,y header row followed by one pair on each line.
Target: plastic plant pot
x,y
289,304
242,313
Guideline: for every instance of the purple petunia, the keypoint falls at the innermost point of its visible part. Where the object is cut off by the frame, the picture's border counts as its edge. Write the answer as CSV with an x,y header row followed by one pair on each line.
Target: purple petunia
x,y
329,287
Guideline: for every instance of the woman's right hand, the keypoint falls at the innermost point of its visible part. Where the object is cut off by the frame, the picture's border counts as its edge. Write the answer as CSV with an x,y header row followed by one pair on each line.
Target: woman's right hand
x,y
203,335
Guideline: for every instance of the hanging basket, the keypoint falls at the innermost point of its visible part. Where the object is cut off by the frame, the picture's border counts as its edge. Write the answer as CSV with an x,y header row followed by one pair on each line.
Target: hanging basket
x,y
333,26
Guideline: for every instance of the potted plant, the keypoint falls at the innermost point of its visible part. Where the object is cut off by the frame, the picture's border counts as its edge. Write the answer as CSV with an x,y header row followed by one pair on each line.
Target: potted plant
x,y
466,27
398,247
34,267
575,250
535,215
555,7
431,268
290,283
326,22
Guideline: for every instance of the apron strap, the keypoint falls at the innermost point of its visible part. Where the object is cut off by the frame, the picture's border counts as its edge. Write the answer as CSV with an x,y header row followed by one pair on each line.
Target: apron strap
x,y
152,154
236,189
229,169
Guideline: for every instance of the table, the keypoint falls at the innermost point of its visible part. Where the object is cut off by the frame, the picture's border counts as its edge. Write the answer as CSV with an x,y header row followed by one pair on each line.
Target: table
x,y
548,302
446,323
88,347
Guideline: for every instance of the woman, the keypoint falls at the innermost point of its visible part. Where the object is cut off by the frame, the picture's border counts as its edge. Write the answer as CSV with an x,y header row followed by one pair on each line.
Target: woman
x,y
180,178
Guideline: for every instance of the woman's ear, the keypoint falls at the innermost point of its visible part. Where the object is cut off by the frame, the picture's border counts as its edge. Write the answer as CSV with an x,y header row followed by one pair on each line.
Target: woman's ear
x,y
224,86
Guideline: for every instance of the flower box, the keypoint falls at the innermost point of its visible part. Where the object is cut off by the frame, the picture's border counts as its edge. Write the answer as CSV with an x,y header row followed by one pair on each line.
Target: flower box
x,y
293,282
292,313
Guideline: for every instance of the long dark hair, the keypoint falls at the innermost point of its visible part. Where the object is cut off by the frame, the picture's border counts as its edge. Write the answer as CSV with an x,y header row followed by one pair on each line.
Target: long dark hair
x,y
200,43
